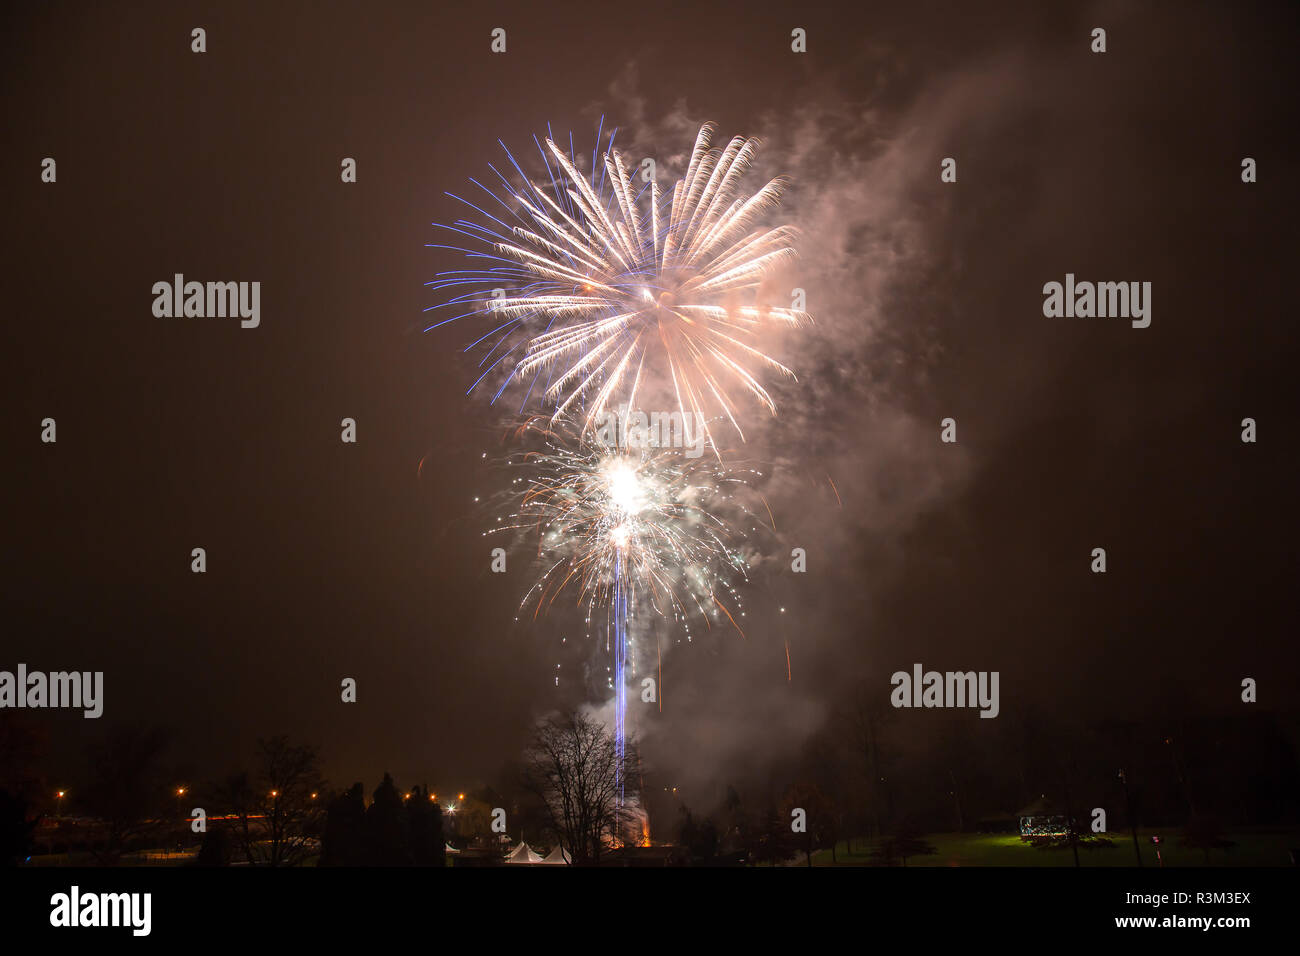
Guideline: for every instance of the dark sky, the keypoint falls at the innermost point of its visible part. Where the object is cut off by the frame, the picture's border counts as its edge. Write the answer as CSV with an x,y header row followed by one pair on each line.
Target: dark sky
x,y
328,560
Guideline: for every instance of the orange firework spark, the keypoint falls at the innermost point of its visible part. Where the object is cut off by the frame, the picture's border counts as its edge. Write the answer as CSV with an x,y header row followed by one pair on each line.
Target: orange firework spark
x,y
728,613
836,490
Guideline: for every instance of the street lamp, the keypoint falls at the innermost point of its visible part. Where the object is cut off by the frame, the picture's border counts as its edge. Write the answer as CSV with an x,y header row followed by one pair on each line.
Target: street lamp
x,y
59,795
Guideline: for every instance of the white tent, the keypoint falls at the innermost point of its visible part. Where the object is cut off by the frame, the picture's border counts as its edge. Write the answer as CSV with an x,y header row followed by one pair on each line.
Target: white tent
x,y
522,854
557,856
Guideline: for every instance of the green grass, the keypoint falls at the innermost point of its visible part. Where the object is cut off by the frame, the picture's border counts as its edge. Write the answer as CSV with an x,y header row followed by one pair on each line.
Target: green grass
x,y
1254,848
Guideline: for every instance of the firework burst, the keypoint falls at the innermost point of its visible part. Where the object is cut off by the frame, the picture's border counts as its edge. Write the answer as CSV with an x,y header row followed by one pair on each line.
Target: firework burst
x,y
598,288
649,521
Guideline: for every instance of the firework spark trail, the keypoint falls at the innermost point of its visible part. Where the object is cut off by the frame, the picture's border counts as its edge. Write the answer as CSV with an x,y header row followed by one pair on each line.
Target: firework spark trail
x,y
620,678
606,291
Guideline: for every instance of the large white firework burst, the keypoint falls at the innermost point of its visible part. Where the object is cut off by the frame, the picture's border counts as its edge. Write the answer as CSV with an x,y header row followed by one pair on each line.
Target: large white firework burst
x,y
601,290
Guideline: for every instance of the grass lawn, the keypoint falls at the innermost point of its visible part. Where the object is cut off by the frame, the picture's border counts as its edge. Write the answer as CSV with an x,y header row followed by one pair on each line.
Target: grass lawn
x,y
1254,848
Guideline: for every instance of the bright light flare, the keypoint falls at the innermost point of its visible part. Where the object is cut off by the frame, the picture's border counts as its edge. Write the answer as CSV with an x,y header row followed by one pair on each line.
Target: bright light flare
x,y
623,488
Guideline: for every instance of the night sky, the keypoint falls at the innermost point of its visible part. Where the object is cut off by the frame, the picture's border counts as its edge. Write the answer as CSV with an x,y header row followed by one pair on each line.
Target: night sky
x,y
328,560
